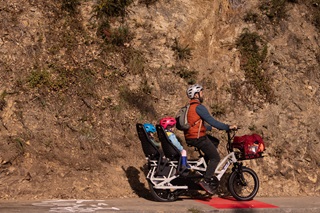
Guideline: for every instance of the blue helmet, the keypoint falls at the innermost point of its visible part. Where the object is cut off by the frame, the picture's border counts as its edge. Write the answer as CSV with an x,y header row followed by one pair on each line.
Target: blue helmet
x,y
149,128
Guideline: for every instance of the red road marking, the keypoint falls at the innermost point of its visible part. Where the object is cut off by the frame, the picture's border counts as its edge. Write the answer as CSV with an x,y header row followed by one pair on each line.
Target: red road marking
x,y
231,203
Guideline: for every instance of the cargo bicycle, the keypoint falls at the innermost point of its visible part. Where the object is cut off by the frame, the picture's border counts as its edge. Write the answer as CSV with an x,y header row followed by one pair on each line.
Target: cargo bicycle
x,y
168,179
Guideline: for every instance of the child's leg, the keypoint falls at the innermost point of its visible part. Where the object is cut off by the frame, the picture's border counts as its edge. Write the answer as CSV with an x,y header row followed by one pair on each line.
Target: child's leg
x,y
184,157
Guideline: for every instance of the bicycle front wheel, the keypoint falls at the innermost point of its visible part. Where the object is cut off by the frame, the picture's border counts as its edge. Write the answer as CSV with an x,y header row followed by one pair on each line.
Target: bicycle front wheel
x,y
244,184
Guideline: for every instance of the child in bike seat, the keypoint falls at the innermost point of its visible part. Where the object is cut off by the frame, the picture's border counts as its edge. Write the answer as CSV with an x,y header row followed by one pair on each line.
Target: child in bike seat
x,y
151,129
168,124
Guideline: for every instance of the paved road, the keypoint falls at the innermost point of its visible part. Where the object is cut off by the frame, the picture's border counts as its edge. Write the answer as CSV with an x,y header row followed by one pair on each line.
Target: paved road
x,y
135,205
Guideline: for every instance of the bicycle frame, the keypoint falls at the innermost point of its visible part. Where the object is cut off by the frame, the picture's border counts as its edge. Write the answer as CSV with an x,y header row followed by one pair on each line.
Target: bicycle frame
x,y
225,163
227,160
164,181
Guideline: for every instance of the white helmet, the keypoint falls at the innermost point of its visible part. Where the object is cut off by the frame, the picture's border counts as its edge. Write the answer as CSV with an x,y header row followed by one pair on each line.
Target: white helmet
x,y
193,89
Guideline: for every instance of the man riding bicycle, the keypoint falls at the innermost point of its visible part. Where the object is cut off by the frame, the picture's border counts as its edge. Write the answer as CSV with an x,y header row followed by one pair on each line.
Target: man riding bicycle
x,y
196,135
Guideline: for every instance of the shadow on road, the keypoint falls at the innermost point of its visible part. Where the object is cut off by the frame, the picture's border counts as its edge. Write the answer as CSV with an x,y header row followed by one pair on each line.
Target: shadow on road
x,y
133,175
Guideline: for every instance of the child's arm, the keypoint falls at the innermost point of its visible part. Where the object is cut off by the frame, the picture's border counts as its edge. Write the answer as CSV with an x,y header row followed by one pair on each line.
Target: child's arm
x,y
157,144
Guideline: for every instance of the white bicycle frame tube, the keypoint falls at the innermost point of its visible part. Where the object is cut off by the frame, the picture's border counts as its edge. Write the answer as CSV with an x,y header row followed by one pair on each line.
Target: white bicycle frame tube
x,y
224,165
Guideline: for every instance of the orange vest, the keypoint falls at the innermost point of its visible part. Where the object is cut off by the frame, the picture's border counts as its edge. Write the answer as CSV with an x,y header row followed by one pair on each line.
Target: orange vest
x,y
197,128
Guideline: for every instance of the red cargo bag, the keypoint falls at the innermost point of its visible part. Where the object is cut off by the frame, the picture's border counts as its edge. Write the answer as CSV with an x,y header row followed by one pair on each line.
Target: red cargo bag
x,y
250,146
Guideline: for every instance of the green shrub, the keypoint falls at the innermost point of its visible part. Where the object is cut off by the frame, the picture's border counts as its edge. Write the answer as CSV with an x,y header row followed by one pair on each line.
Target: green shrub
x,y
111,8
250,44
147,2
253,53
251,17
39,78
217,109
181,53
252,127
275,10
20,145
70,5
190,76
78,81
119,36
103,30
103,10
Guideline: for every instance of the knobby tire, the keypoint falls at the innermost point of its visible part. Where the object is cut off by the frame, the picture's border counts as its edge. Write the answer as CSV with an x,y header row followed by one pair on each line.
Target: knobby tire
x,y
243,185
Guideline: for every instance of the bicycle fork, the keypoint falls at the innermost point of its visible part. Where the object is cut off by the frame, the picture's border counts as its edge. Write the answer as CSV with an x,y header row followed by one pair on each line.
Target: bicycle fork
x,y
237,167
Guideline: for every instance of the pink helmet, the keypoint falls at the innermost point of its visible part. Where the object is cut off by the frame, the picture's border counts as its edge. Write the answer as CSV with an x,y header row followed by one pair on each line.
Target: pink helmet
x,y
167,121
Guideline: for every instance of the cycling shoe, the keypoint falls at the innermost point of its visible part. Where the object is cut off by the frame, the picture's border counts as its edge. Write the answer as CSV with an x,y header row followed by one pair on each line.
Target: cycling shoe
x,y
206,185
214,182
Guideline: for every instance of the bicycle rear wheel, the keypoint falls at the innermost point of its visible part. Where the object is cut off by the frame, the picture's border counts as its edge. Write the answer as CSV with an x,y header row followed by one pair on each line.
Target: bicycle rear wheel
x,y
162,195
243,185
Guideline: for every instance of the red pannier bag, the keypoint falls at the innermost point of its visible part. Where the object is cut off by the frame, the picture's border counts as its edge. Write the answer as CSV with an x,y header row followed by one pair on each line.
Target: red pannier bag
x,y
250,146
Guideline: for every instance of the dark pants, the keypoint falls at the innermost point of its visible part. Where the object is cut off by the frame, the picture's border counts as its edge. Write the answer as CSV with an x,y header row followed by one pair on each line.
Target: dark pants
x,y
208,145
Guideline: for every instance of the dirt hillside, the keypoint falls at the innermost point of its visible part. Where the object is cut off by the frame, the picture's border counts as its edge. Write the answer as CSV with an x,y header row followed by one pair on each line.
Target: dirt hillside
x,y
77,75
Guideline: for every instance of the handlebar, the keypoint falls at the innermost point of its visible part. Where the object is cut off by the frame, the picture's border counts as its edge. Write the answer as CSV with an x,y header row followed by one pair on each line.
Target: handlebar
x,y
232,130
236,129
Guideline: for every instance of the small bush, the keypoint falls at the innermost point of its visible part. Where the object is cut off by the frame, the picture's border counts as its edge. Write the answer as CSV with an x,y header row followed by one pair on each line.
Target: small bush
x,y
119,36
190,76
115,36
253,53
252,128
103,30
147,2
111,8
275,10
218,109
250,44
251,17
181,53
20,145
70,5
39,78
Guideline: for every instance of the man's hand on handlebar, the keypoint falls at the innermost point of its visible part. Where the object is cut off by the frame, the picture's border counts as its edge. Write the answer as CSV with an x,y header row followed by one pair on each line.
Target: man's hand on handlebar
x,y
233,127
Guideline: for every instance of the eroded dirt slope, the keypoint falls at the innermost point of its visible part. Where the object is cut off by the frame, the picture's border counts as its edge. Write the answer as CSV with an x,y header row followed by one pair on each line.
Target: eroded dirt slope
x,y
69,102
